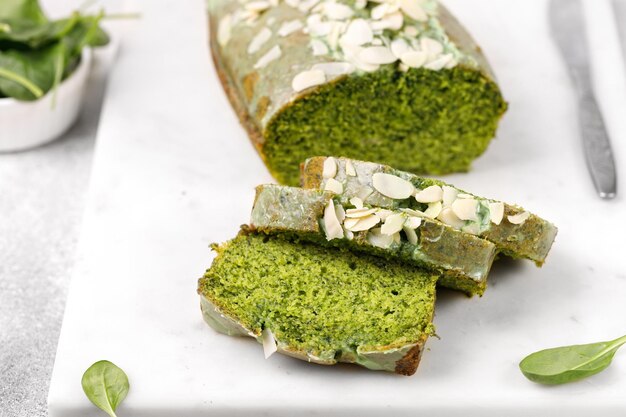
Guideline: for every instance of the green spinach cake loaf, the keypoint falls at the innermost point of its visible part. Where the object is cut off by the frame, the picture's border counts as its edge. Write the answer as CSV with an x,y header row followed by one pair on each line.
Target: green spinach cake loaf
x,y
462,259
515,231
393,81
319,305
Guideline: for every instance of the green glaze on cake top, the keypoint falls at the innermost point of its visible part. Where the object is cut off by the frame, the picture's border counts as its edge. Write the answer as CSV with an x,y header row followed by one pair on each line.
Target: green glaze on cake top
x,y
412,89
320,305
515,231
462,259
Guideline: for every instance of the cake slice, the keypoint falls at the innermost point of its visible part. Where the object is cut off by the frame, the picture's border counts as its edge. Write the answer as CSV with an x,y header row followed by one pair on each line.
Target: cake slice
x,y
515,232
319,304
406,235
399,82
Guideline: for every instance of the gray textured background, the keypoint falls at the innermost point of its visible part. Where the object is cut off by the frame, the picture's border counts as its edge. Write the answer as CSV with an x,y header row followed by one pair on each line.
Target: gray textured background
x,y
41,200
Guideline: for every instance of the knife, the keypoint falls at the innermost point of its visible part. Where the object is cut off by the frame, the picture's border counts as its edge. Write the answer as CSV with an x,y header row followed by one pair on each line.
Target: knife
x,y
568,30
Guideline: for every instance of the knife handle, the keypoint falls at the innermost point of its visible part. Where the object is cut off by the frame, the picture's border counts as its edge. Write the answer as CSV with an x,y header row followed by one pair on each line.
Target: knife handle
x,y
598,153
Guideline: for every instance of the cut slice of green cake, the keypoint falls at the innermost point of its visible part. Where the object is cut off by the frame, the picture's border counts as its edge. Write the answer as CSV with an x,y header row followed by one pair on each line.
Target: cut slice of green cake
x,y
319,304
515,232
406,235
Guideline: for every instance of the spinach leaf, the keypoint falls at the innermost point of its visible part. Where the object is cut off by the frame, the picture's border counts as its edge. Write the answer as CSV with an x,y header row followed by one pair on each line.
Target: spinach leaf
x,y
569,363
105,385
22,10
38,67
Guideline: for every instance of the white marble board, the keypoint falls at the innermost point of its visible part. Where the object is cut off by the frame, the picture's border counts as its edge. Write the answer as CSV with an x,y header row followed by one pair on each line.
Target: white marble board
x,y
174,171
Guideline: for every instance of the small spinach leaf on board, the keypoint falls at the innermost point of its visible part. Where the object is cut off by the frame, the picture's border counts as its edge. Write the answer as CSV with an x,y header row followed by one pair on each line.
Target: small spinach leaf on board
x,y
106,386
569,363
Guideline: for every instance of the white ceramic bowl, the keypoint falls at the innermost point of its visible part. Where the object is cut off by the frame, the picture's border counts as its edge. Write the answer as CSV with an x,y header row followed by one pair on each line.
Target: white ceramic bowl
x,y
26,124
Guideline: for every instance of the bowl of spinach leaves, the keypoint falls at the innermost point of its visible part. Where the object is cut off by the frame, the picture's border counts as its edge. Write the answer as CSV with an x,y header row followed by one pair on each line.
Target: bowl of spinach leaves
x,y
44,66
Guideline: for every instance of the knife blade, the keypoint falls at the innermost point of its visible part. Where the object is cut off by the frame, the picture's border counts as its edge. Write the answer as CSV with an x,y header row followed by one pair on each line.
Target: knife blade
x,y
567,25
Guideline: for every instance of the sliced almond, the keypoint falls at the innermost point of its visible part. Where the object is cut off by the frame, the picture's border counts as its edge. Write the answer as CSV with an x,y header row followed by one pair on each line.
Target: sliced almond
x,y
448,217
439,63
414,59
349,223
271,55
376,238
411,212
377,55
399,46
358,213
464,195
269,343
330,168
335,68
449,195
465,208
518,218
257,42
393,21
472,228
307,79
433,210
431,46
306,5
382,214
392,186
350,171
365,223
356,202
411,31
496,212
290,27
337,11
331,222
414,10
257,6
316,26
430,194
358,33
412,222
340,212
334,186
393,224
319,47
224,29
410,235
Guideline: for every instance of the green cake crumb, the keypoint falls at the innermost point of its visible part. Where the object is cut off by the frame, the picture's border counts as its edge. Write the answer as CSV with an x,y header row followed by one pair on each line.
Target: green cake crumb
x,y
325,303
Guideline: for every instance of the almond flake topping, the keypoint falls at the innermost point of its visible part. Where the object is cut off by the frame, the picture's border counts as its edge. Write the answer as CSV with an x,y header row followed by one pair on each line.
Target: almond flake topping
x,y
334,186
364,192
364,223
377,55
290,27
269,343
496,212
518,218
271,55
358,33
335,68
307,79
439,63
393,224
382,214
410,235
319,47
257,6
414,59
413,222
224,29
414,10
356,202
337,11
376,238
465,208
448,217
332,225
358,213
399,47
433,210
429,194
257,42
330,168
449,195
350,171
392,186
